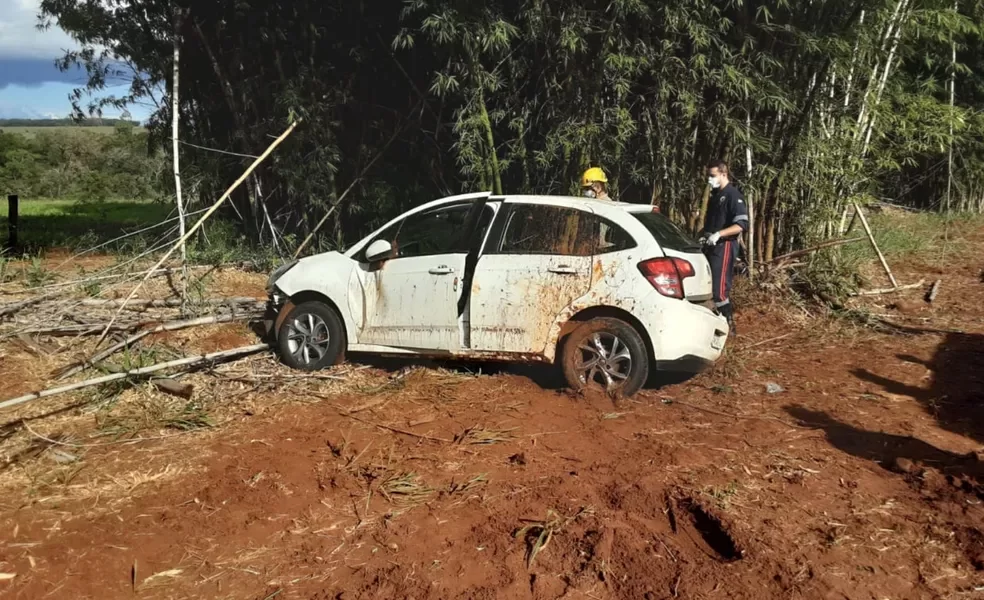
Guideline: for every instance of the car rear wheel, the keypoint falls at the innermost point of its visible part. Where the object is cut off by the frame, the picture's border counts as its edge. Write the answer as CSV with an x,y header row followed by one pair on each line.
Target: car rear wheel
x,y
606,354
311,337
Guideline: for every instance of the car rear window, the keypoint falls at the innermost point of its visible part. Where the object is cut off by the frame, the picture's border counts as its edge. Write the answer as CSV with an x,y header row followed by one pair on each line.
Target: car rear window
x,y
667,233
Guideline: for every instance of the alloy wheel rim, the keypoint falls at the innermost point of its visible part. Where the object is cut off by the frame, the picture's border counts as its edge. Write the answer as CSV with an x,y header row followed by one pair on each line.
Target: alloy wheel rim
x,y
308,338
604,359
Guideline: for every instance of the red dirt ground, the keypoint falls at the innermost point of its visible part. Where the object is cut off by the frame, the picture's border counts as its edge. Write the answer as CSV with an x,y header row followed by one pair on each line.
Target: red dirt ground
x,y
858,480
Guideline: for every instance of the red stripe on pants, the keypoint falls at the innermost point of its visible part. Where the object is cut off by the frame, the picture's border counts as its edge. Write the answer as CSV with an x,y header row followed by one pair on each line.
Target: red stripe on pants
x,y
724,271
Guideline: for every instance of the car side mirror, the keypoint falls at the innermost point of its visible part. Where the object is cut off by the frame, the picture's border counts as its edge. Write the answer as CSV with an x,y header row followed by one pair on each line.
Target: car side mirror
x,y
379,250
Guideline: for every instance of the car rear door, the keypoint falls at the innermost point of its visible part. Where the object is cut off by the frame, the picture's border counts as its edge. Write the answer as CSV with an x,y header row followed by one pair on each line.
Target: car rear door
x,y
536,262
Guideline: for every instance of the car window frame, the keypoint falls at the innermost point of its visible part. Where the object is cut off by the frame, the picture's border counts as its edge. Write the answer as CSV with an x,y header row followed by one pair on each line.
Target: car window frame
x,y
498,233
360,256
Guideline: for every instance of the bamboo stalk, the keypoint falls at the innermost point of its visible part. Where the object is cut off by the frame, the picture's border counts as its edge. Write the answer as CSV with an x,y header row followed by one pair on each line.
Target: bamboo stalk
x,y
201,221
874,244
181,362
175,119
69,370
750,250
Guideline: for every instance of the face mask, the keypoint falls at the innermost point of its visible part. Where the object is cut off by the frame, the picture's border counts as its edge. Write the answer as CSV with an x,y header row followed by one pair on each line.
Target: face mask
x,y
713,182
589,193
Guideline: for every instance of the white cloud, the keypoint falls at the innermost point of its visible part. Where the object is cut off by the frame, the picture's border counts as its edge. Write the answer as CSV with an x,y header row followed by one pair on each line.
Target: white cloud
x,y
20,38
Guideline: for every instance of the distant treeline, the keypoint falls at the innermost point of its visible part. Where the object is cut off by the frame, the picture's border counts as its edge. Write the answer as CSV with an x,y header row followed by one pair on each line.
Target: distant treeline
x,y
69,164
64,123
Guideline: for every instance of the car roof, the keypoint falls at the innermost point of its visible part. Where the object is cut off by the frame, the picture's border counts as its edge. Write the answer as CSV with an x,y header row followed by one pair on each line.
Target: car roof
x,y
580,201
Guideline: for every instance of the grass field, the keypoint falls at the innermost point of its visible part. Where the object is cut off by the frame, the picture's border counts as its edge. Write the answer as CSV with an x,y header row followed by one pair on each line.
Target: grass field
x,y
33,131
51,223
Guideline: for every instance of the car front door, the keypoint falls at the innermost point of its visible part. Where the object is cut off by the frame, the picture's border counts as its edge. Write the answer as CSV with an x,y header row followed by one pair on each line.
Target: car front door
x,y
411,299
537,261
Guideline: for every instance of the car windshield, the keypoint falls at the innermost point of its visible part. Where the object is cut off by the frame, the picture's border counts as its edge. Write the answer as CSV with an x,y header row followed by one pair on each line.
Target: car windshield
x,y
667,233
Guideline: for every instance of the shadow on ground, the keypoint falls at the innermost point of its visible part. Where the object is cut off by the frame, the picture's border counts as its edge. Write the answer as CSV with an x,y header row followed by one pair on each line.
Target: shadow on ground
x,y
546,376
955,396
884,448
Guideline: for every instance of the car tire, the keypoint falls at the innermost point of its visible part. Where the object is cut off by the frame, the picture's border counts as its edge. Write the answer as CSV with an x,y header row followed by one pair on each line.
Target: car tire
x,y
621,368
311,337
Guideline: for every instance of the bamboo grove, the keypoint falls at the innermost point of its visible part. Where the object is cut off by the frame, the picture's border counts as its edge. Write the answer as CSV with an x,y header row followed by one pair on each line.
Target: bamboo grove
x,y
815,103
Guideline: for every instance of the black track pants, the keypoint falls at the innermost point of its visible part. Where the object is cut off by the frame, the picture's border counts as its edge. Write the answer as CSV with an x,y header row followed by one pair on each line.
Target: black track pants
x,y
722,258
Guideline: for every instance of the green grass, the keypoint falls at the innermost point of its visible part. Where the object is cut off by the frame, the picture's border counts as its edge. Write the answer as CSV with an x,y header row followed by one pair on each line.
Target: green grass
x,y
834,274
911,235
33,131
69,223
78,225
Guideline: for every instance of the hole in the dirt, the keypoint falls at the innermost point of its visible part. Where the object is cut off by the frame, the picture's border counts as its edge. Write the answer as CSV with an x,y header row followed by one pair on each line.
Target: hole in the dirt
x,y
671,515
713,532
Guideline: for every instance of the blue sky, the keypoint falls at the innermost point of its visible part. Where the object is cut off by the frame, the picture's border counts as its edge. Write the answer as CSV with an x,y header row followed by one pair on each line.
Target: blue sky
x,y
30,84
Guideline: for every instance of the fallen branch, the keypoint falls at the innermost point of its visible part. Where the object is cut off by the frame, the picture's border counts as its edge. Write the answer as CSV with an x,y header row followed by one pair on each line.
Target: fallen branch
x,y
900,288
9,309
170,302
386,427
200,222
69,370
98,278
78,330
934,291
181,362
818,247
764,342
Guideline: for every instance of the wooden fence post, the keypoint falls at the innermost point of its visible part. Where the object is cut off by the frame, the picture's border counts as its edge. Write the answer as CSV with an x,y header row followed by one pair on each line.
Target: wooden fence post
x,y
12,222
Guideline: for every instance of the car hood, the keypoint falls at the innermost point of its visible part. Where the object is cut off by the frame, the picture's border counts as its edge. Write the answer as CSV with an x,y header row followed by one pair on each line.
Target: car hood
x,y
311,272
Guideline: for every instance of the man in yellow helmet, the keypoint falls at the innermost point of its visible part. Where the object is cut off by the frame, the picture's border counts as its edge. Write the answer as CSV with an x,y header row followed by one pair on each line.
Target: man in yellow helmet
x,y
594,184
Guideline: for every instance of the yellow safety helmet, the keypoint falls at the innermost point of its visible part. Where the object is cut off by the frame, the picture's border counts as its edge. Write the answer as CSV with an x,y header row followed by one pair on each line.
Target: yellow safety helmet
x,y
592,175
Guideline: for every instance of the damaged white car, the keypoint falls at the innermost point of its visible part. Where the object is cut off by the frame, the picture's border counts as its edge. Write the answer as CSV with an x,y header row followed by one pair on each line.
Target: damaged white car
x,y
608,291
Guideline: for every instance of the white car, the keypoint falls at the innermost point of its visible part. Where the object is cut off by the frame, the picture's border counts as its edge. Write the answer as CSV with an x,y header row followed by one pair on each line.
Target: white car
x,y
606,290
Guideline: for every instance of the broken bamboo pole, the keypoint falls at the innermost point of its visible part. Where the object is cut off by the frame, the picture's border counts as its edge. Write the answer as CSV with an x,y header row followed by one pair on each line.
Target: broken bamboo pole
x,y
898,288
874,244
170,302
69,370
351,186
181,362
249,170
9,309
804,252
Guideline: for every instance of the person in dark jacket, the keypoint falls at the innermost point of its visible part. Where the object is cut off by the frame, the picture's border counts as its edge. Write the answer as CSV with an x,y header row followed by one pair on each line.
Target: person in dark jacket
x,y
725,221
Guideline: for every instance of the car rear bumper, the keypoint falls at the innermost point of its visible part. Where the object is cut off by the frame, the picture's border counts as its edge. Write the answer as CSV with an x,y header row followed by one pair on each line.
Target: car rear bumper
x,y
687,337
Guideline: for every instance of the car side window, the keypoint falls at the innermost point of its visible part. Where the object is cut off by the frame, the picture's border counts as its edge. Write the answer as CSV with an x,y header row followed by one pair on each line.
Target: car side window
x,y
551,230
444,230
611,237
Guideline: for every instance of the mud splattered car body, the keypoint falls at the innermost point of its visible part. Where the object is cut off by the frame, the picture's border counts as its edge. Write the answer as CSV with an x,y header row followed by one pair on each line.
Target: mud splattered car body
x,y
509,278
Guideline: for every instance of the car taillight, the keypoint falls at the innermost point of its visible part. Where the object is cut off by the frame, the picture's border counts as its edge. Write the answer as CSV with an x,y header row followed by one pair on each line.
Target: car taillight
x,y
667,274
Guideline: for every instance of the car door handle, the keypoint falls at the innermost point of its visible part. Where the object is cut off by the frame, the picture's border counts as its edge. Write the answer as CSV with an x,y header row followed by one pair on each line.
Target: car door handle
x,y
563,270
442,270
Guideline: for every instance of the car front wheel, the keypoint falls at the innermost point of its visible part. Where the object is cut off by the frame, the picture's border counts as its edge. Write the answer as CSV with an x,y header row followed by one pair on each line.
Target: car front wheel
x,y
606,354
311,337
